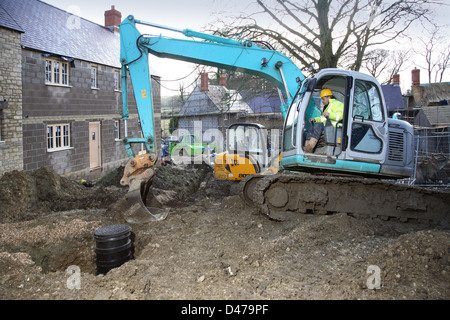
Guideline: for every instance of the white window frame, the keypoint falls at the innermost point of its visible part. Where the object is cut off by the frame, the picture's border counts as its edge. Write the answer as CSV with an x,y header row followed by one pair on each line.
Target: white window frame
x,y
56,72
94,77
117,130
58,136
117,80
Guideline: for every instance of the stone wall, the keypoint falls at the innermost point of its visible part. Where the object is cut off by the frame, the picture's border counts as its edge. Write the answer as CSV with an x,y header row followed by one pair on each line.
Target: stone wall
x,y
11,152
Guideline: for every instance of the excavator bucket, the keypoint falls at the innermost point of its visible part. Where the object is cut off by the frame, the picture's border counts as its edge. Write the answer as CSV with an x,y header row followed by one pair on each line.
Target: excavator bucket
x,y
139,205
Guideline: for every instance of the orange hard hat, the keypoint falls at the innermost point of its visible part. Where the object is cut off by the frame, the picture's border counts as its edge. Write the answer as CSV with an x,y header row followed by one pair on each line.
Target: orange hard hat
x,y
325,93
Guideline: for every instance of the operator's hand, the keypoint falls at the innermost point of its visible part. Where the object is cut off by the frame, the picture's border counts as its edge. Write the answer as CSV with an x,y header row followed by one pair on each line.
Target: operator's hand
x,y
312,121
326,114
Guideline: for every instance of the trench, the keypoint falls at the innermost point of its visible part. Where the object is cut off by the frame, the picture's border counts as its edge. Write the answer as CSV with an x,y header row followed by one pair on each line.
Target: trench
x,y
78,252
51,203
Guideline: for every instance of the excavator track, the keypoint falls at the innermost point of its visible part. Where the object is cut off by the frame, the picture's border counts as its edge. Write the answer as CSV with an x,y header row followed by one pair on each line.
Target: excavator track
x,y
281,196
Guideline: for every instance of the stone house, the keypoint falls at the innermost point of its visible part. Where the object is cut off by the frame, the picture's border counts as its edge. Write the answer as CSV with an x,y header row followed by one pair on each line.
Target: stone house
x,y
11,132
211,105
61,86
217,107
427,104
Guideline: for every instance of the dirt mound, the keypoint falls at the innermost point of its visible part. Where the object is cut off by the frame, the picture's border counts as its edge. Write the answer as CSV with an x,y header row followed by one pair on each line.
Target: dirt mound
x,y
173,186
26,195
417,264
112,178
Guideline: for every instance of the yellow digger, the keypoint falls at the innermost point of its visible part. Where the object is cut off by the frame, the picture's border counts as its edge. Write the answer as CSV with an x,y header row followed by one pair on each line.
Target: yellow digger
x,y
249,151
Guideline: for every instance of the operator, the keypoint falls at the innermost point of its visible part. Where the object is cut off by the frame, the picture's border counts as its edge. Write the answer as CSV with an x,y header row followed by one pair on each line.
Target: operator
x,y
332,109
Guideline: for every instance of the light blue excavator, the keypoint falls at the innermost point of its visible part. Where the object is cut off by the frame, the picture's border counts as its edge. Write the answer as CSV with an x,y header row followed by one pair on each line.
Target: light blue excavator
x,y
365,144
240,55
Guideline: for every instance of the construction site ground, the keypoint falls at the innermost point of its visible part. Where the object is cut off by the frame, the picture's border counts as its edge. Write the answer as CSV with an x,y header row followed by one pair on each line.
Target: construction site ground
x,y
211,246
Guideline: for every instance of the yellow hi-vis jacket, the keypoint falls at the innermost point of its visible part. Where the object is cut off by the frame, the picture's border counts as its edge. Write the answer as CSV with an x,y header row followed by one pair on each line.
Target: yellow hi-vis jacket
x,y
336,110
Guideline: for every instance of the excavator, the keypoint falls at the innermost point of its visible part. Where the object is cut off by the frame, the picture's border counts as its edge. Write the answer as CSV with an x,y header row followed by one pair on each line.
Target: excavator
x,y
351,170
231,54
250,150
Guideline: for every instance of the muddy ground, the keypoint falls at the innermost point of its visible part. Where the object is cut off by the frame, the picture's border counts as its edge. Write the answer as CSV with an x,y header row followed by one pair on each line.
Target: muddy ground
x,y
211,246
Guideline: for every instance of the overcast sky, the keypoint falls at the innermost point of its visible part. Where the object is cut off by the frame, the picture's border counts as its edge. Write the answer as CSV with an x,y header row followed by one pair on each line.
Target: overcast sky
x,y
181,14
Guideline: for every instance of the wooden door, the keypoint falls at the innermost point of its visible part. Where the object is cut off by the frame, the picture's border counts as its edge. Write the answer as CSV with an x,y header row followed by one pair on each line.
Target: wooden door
x,y
94,145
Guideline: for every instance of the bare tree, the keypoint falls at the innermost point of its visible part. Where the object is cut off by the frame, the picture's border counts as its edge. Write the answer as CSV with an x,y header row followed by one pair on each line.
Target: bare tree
x,y
376,62
436,51
383,64
328,33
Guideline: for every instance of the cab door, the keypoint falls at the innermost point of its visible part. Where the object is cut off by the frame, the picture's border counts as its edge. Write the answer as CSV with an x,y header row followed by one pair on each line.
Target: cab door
x,y
367,123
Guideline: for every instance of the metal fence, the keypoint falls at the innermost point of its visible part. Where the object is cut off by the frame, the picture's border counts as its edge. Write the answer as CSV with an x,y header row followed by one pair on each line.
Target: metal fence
x,y
432,152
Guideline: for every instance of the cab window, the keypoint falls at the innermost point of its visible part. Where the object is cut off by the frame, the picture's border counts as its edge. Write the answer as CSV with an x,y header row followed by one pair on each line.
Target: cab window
x,y
367,102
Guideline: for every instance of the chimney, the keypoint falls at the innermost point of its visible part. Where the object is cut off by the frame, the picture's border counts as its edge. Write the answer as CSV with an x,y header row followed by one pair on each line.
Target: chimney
x,y
396,79
112,19
223,80
204,82
416,89
415,77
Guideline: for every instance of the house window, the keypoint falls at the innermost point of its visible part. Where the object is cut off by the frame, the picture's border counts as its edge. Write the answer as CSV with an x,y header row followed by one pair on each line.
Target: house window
x,y
117,130
58,136
117,80
64,73
94,78
56,72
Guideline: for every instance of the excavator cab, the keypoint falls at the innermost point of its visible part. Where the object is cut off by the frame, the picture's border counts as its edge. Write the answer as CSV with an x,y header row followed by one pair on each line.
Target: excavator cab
x,y
366,142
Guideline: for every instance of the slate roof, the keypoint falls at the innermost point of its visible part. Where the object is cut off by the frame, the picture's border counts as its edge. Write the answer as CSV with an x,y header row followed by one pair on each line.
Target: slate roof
x,y
270,102
434,116
52,30
262,102
393,97
215,100
7,21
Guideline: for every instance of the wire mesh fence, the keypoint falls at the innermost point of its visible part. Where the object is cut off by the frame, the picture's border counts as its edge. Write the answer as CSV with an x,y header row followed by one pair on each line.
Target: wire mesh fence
x,y
432,154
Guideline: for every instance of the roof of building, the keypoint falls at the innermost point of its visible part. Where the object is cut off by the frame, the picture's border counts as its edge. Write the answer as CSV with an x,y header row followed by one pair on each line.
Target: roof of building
x,y
262,102
434,93
393,97
7,21
435,116
51,30
217,99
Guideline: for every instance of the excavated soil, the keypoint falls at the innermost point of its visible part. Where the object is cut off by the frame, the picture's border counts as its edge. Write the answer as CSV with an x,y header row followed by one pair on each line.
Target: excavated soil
x,y
211,246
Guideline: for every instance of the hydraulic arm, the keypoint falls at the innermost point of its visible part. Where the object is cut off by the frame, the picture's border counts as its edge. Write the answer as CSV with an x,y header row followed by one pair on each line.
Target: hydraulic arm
x,y
241,55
